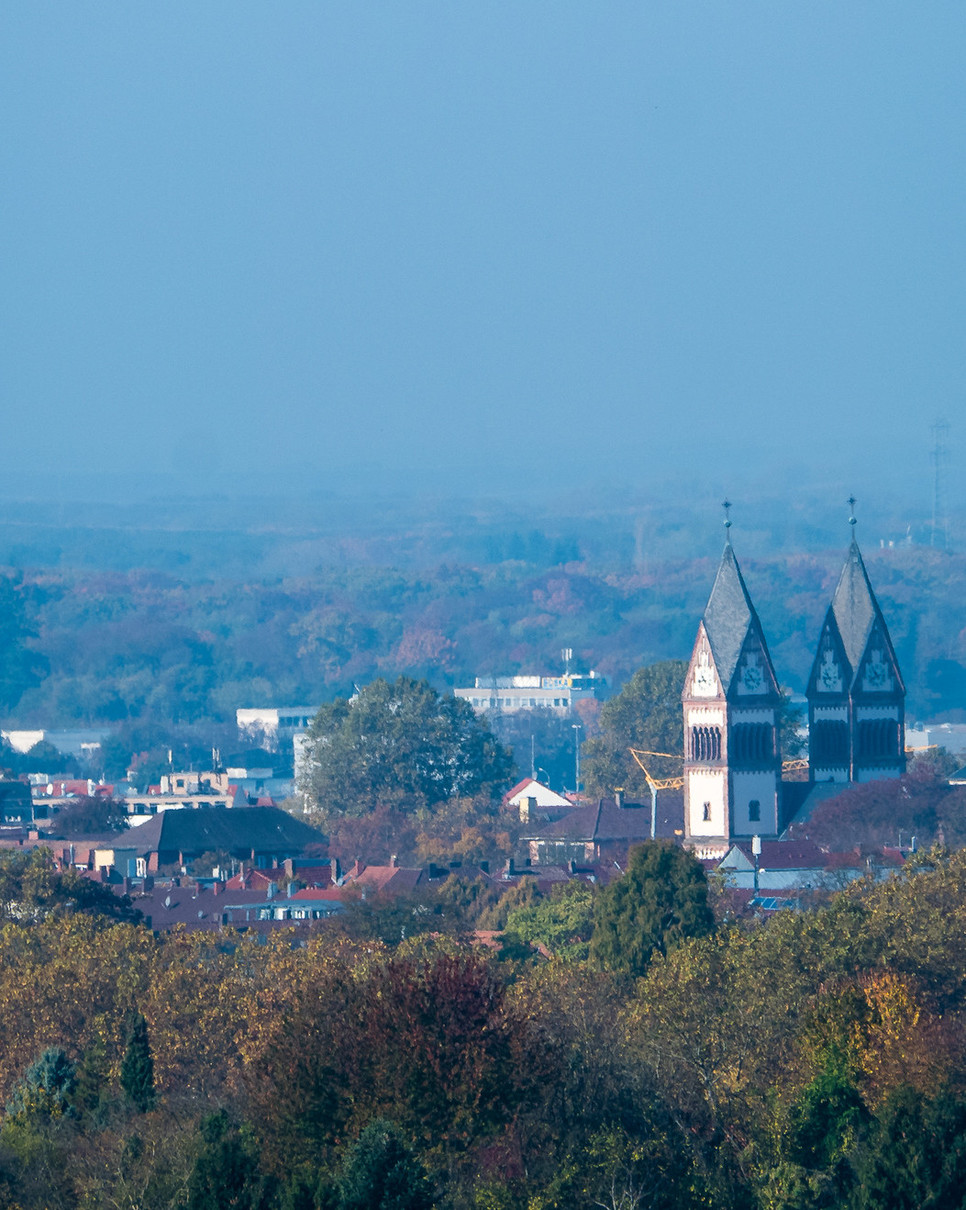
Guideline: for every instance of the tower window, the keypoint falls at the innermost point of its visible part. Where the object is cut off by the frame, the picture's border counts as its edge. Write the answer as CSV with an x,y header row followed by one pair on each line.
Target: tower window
x,y
705,743
706,812
754,811
829,743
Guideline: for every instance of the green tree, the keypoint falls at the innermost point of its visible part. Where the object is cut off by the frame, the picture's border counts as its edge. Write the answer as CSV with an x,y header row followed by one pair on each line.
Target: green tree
x,y
21,667
46,1087
226,1173
137,1066
92,816
646,714
916,1158
380,1172
401,745
660,902
562,921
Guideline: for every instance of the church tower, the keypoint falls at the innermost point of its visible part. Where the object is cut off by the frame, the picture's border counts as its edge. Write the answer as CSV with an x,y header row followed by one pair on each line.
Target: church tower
x,y
732,762
856,698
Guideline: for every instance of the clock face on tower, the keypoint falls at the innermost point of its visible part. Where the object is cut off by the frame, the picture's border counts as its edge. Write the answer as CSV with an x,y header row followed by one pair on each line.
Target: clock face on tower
x,y
829,677
877,674
703,679
751,678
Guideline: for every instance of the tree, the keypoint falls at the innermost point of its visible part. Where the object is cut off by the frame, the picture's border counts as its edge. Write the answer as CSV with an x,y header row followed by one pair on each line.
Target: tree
x,y
563,921
137,1066
46,1086
21,668
380,1172
645,714
917,1154
92,816
401,745
660,902
226,1171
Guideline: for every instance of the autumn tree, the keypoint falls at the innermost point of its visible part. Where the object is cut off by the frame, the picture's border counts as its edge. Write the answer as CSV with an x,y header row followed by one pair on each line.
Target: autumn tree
x,y
401,745
660,902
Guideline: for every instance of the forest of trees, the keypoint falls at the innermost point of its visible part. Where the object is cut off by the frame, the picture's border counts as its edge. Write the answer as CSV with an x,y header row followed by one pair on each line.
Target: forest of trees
x,y
145,649
815,1059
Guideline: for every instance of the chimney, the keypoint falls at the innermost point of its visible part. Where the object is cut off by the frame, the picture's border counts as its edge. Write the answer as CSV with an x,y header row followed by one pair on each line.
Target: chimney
x,y
394,861
619,797
335,870
217,887
528,807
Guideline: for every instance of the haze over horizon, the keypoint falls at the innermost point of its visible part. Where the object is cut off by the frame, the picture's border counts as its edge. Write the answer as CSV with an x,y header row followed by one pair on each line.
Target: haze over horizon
x,y
462,251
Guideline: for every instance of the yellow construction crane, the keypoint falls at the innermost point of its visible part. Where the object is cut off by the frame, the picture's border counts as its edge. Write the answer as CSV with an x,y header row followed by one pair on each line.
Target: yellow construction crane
x,y
675,783
655,784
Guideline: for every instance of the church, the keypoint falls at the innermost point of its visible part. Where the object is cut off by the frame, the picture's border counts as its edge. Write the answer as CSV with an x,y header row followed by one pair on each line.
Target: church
x,y
732,701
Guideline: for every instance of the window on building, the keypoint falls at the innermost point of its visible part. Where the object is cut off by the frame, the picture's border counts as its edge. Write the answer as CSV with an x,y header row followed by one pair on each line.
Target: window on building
x,y
706,811
754,810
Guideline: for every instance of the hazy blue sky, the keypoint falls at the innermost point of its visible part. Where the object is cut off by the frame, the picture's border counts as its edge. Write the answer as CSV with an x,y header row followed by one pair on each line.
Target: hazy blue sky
x,y
475,240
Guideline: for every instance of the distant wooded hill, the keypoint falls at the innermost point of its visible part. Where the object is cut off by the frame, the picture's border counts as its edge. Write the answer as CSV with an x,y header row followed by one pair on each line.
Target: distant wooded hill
x,y
150,644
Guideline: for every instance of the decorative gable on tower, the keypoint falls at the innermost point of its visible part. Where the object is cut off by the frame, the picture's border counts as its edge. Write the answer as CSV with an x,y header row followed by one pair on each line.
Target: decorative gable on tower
x,y
856,696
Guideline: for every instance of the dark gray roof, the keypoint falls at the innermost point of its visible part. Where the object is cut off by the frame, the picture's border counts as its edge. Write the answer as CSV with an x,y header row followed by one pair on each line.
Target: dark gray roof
x,y
854,607
606,821
210,829
728,616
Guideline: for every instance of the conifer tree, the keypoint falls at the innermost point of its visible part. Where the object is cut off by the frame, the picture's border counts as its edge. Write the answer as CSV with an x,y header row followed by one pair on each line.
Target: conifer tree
x,y
137,1066
659,903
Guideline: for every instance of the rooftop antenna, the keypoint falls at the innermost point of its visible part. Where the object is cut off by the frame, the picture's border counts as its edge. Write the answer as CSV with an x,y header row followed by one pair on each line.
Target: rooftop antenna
x,y
940,522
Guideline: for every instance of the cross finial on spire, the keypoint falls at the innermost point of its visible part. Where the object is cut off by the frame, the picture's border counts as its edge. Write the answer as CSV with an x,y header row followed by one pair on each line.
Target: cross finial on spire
x,y
726,505
852,520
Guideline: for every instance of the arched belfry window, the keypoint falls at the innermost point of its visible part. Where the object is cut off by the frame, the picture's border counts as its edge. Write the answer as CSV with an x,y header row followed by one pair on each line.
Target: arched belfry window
x,y
705,743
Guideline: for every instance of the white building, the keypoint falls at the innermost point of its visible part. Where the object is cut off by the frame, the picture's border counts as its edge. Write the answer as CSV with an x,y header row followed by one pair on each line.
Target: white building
x,y
274,722
509,694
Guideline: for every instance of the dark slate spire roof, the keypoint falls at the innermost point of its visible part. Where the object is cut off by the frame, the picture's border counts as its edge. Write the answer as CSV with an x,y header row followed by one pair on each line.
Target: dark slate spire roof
x,y
855,608
728,616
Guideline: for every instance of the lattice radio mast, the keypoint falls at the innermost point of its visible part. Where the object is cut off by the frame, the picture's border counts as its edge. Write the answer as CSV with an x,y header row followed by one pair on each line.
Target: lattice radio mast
x,y
940,518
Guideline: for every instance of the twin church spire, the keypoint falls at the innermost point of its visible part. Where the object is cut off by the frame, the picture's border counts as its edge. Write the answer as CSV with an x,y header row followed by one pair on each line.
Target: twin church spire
x,y
732,702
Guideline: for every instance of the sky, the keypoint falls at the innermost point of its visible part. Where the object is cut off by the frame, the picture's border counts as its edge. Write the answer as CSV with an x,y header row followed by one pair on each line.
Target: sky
x,y
687,247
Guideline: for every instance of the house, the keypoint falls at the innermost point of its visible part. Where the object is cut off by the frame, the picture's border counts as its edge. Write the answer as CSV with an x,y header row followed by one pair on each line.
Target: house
x,y
799,865
603,831
264,836
531,798
17,805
